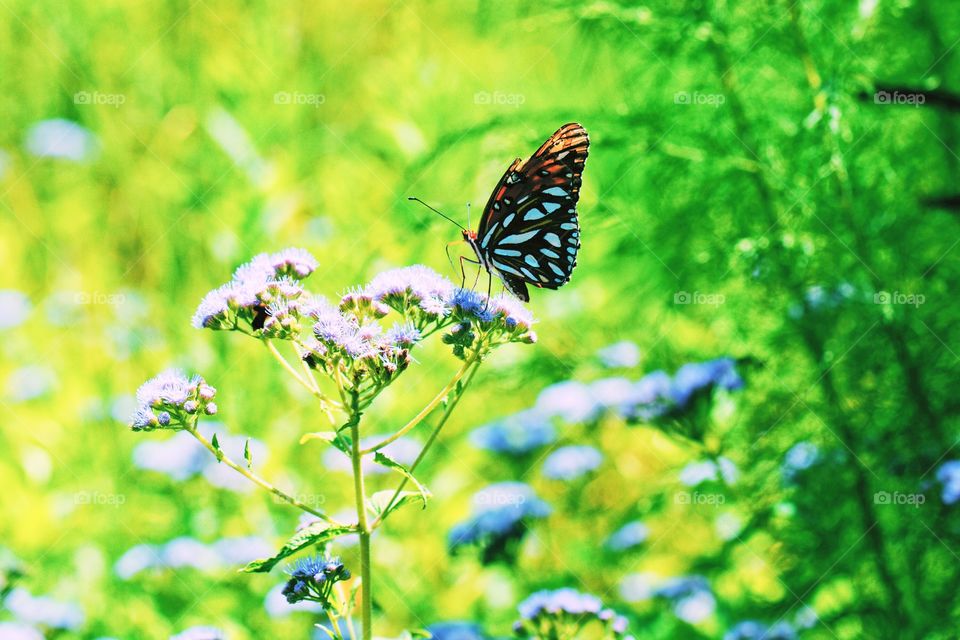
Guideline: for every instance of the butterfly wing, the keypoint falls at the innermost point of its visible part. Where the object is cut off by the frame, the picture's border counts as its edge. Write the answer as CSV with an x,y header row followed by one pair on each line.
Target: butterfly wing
x,y
529,231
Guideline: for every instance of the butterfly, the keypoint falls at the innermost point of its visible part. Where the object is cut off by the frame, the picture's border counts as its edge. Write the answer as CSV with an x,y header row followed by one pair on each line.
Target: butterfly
x,y
529,232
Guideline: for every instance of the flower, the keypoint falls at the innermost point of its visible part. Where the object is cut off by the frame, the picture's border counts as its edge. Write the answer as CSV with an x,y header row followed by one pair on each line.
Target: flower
x,y
570,400
414,286
456,630
62,139
171,400
799,457
650,398
200,633
690,595
469,305
14,308
696,473
753,630
623,354
498,519
516,434
628,536
403,335
562,609
949,475
516,315
42,610
571,462
313,579
696,376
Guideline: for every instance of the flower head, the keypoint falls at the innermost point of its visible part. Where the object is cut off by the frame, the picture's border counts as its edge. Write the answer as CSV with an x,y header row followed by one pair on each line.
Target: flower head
x,y
171,400
562,609
571,462
516,434
499,517
313,579
415,286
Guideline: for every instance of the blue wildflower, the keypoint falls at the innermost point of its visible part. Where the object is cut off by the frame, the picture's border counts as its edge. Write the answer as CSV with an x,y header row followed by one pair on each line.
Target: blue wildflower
x,y
651,397
630,535
691,597
42,610
753,630
697,376
613,393
62,139
403,335
516,434
14,308
175,395
313,579
471,306
570,400
546,613
498,520
456,630
949,475
624,354
571,462
697,473
200,633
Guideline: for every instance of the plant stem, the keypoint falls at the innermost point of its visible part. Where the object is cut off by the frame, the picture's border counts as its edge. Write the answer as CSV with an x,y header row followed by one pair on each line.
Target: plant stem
x,y
225,459
312,388
423,413
475,363
366,603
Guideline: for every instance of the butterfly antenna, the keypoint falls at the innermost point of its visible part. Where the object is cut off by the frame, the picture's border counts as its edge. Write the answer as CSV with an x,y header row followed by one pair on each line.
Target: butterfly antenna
x,y
439,213
468,215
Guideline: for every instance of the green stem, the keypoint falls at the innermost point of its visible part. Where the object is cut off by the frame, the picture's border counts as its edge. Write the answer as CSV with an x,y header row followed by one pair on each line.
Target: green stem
x,y
425,412
366,603
257,479
475,363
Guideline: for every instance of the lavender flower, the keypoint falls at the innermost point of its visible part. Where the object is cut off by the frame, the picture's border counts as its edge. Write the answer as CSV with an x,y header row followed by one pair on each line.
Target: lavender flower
x,y
624,354
42,610
696,473
571,462
949,475
362,305
470,306
651,397
403,335
313,579
546,613
690,595
171,401
570,400
517,434
414,286
630,535
697,376
498,520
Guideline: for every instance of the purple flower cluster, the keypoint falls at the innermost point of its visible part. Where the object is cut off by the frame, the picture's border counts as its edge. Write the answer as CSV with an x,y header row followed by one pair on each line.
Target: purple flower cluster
x,y
413,288
545,613
498,521
172,401
313,579
264,296
571,462
515,434
690,596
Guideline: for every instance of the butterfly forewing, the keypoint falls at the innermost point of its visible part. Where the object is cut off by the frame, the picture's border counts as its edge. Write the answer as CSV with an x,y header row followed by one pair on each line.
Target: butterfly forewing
x,y
529,231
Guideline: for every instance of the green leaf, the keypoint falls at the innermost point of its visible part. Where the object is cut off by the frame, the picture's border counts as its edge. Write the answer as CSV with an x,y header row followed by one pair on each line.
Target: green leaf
x,y
246,453
386,461
378,501
339,440
216,448
315,533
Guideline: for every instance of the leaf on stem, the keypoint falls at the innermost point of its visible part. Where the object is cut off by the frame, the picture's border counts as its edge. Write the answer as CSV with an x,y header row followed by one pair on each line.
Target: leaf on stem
x,y
247,455
339,440
381,458
215,443
315,533
381,500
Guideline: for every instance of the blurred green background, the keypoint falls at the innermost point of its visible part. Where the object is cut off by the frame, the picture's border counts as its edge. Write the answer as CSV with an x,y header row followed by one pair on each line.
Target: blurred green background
x,y
761,184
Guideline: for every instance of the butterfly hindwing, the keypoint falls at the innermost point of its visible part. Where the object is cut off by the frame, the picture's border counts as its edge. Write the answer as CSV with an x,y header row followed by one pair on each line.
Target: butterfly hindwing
x,y
529,230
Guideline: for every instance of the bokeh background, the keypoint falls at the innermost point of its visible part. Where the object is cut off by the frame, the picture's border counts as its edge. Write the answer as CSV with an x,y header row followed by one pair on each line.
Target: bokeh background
x,y
770,181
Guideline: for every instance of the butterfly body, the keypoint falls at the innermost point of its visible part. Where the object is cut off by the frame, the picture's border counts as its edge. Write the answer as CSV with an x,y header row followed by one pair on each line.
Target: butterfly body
x,y
529,233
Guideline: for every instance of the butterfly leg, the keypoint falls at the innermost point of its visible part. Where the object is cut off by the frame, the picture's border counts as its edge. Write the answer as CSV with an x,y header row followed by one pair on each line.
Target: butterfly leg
x,y
463,272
